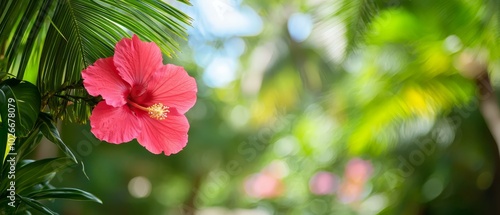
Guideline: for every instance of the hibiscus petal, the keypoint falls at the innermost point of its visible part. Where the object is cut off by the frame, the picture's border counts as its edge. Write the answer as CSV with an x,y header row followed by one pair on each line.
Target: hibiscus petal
x,y
172,86
168,135
136,60
114,124
102,78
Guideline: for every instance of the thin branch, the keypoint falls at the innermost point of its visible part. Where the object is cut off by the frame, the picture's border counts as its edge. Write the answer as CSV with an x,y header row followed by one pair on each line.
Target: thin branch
x,y
46,97
77,85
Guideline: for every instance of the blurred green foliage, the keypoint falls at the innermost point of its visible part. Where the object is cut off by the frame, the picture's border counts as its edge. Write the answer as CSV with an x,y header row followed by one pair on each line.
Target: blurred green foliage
x,y
373,100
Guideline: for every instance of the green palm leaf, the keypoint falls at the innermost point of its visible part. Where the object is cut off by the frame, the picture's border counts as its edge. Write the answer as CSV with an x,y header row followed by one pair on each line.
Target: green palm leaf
x,y
356,15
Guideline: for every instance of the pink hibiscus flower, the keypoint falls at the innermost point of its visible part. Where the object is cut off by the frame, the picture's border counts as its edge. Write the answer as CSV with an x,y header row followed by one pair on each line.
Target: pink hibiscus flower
x,y
143,98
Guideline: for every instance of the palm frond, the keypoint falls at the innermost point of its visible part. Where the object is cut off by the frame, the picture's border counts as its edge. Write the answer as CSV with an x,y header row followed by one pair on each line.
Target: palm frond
x,y
17,24
340,25
356,15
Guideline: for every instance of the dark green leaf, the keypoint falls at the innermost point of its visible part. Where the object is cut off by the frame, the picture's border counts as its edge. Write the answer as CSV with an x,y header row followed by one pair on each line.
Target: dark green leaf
x,y
50,131
27,102
64,193
5,135
37,172
36,205
29,143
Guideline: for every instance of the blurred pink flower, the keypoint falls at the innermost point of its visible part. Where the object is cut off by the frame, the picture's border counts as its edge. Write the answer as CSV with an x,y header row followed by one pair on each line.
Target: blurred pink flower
x,y
263,185
350,192
356,175
358,169
323,183
143,98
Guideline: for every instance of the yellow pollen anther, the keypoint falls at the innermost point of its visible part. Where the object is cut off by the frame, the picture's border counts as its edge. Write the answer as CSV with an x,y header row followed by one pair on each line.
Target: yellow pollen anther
x,y
158,111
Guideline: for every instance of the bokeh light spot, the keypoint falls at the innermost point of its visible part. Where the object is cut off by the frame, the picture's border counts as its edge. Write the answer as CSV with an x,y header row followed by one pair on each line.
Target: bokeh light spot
x,y
300,26
484,180
323,183
220,72
432,188
239,116
139,187
452,44
286,146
